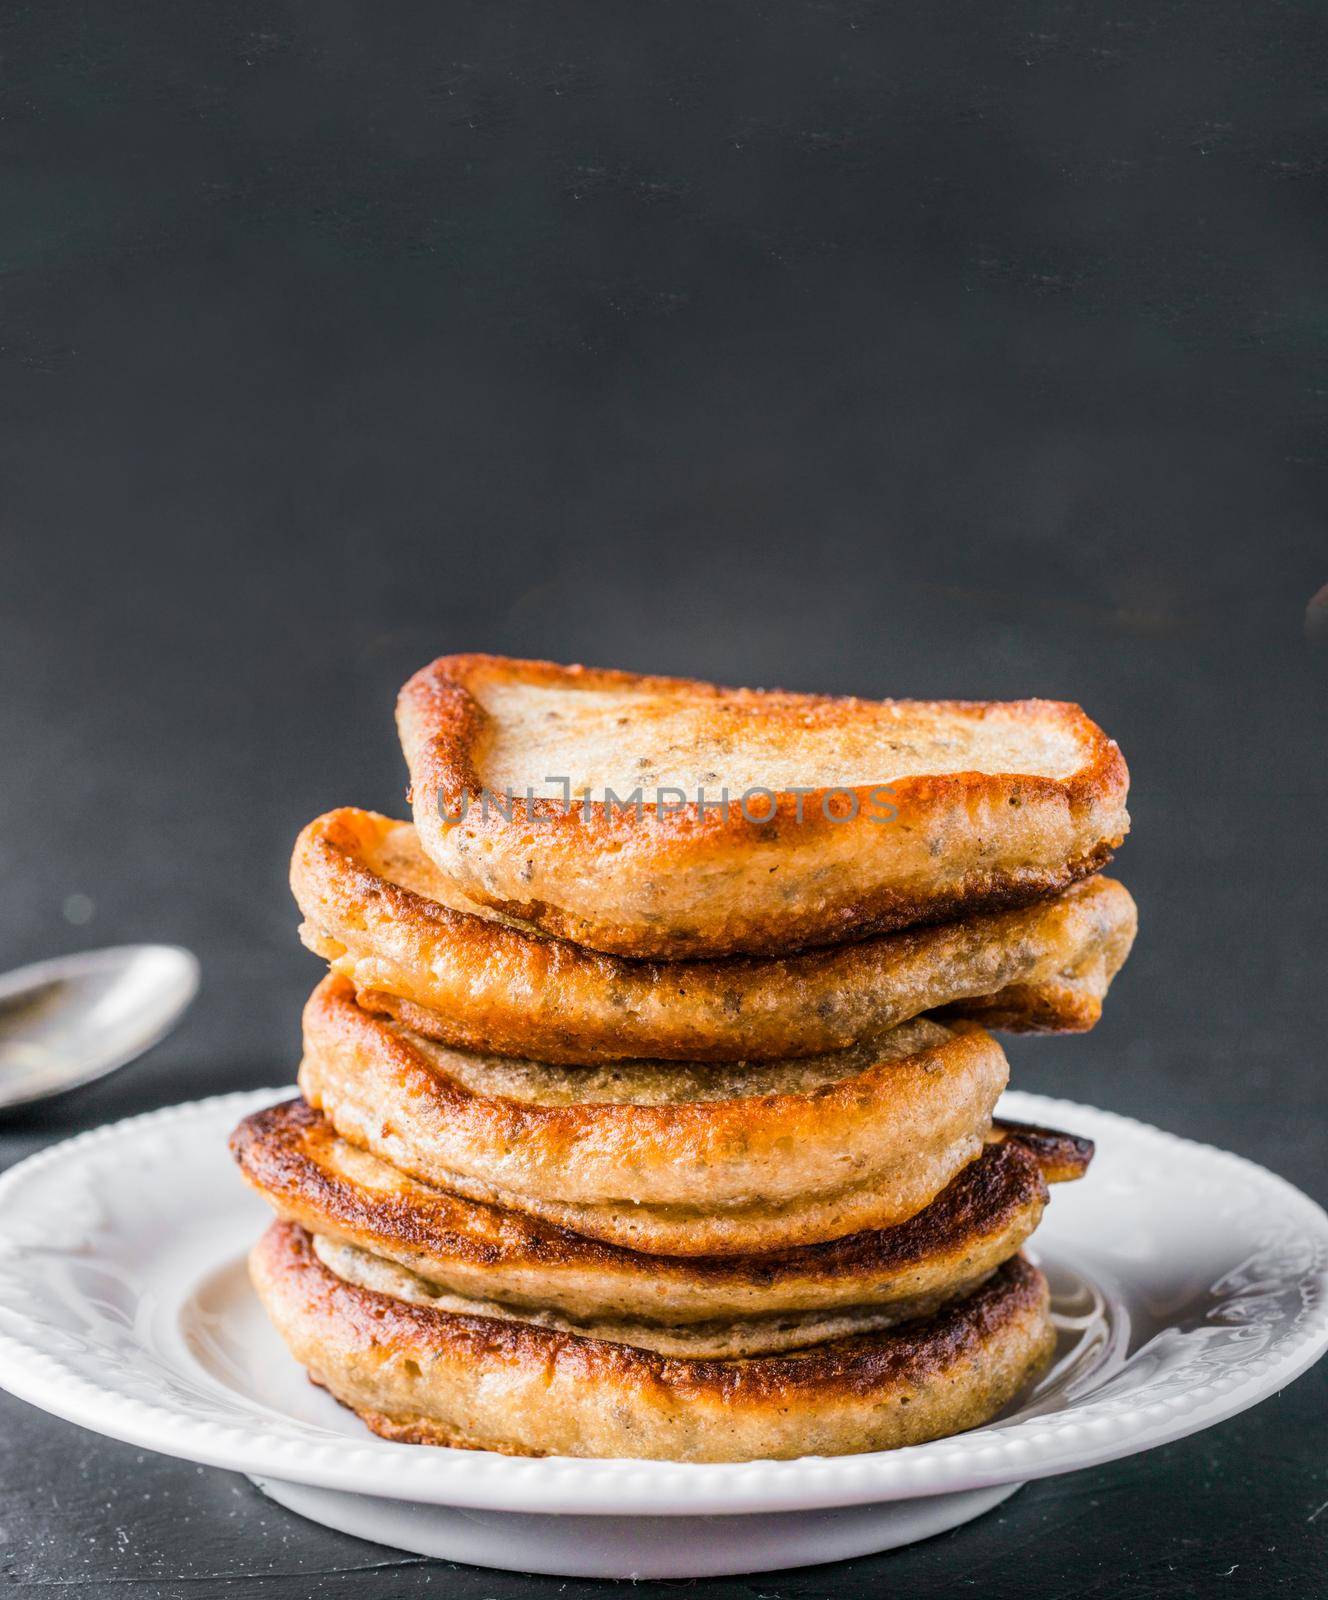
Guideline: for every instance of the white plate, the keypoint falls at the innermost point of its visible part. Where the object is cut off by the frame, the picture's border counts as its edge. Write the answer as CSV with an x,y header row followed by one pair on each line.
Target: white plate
x,y
1188,1284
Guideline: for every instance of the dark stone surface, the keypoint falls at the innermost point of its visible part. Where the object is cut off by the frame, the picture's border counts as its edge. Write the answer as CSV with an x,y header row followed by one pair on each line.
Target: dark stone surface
x,y
971,350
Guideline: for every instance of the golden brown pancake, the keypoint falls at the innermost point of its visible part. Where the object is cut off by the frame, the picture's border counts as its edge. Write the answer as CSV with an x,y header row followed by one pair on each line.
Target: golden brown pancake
x,y
717,1340
384,1229
416,948
845,817
666,1157
425,1376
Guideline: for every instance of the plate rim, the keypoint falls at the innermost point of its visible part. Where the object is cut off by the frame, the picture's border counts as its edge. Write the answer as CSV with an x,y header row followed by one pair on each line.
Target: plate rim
x,y
568,1485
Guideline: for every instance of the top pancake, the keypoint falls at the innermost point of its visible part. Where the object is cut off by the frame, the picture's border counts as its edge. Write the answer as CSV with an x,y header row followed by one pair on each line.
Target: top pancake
x,y
990,804
413,946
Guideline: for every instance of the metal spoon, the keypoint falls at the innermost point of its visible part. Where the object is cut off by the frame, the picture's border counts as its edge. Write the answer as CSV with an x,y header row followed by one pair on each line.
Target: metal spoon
x,y
68,1021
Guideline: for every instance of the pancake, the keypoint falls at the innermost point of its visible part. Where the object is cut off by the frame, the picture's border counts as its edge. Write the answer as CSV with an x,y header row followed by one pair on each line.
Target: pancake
x,y
717,1340
378,1227
379,910
424,1376
665,1157
672,819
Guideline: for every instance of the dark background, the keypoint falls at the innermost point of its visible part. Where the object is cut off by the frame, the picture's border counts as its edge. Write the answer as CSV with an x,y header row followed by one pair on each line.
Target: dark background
x,y
969,349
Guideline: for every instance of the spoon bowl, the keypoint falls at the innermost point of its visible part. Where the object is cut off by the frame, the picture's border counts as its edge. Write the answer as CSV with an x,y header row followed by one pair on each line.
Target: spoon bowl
x,y
66,1022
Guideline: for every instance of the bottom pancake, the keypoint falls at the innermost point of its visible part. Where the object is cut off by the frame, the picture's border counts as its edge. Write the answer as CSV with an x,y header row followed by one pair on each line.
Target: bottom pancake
x,y
425,1376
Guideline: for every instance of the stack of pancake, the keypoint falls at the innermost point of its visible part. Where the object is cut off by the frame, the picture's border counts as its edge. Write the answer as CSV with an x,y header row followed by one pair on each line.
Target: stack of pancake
x,y
646,1126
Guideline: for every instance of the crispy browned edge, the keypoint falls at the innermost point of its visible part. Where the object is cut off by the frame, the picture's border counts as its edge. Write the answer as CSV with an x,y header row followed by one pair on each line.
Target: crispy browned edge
x,y
277,1151
442,767
914,1354
328,869
1063,1157
1029,1008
